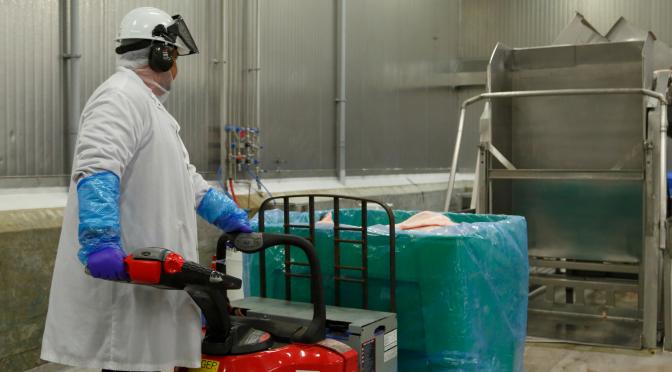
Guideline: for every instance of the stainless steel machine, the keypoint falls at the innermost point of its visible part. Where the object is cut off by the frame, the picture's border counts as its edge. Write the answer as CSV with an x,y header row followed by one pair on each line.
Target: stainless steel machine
x,y
573,137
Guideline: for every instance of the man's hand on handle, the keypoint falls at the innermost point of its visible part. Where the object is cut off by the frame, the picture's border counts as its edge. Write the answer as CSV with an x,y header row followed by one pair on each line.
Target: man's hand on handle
x,y
108,263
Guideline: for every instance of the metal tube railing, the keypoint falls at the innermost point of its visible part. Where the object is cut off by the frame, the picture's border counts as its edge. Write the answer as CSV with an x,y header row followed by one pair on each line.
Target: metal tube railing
x,y
663,177
552,92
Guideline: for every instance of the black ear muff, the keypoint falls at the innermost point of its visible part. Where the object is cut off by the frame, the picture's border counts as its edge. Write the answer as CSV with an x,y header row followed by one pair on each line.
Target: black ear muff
x,y
161,57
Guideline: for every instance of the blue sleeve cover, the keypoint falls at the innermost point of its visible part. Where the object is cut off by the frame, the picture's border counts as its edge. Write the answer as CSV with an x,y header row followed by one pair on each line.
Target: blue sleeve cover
x,y
98,197
221,211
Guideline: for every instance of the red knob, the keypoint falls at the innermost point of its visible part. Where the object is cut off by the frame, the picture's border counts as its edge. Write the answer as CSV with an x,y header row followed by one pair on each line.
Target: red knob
x,y
173,263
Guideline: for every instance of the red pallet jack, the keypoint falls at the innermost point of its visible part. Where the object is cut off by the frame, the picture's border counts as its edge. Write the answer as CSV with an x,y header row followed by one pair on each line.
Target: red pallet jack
x,y
239,344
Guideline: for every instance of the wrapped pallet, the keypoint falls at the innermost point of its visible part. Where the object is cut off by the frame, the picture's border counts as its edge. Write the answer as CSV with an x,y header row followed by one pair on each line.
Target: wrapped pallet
x,y
461,290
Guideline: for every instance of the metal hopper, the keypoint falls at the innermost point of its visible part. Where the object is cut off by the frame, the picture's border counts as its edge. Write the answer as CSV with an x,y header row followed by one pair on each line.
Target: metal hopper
x,y
571,138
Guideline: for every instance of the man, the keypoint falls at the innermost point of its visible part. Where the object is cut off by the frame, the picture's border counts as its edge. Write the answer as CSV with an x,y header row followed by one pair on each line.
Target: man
x,y
132,187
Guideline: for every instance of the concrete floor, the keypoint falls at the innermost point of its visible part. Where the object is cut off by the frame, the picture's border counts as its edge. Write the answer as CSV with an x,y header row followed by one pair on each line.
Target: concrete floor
x,y
547,357
544,357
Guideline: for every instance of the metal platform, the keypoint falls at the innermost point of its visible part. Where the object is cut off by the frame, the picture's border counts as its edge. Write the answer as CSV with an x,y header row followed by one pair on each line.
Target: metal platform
x,y
372,333
588,331
356,319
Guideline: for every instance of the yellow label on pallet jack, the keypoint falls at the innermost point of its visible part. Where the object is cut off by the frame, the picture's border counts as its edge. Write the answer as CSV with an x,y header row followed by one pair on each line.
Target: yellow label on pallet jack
x,y
207,366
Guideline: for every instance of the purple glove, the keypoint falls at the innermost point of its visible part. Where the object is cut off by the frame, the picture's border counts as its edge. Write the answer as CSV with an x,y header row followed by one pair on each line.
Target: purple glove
x,y
234,225
108,263
244,228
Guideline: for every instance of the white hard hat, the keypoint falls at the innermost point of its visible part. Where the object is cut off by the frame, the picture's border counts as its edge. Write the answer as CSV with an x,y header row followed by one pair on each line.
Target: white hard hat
x,y
141,24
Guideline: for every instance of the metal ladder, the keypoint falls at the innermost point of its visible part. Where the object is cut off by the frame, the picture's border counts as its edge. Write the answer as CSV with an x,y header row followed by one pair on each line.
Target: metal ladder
x,y
338,267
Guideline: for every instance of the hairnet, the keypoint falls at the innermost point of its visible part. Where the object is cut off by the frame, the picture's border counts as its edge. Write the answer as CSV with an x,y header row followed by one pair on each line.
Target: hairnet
x,y
134,59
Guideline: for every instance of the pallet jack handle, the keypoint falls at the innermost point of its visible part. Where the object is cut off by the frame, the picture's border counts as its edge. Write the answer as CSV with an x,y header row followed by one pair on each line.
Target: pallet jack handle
x,y
249,243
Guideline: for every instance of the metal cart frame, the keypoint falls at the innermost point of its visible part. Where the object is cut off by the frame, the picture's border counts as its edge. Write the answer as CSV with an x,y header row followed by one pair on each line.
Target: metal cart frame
x,y
363,243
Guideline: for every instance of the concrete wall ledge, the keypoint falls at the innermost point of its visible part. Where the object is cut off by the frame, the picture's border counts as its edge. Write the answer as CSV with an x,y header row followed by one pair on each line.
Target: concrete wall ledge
x,y
30,224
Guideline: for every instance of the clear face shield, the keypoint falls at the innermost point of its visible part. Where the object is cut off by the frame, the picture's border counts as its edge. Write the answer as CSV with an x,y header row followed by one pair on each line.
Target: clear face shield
x,y
178,33
178,36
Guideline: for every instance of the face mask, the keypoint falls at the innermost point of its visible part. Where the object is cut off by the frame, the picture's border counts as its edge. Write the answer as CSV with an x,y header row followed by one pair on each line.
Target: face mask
x,y
163,97
160,83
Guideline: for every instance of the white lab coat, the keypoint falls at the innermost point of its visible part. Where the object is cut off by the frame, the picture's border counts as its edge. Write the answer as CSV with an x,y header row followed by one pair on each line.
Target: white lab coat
x,y
100,324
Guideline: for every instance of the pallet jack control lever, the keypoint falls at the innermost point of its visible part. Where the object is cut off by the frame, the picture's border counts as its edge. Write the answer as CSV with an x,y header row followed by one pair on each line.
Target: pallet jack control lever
x,y
249,243
164,268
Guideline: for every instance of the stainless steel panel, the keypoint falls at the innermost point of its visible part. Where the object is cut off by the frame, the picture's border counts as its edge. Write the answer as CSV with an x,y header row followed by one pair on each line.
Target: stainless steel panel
x,y
574,219
518,23
604,13
586,266
579,31
623,30
396,119
579,219
525,23
554,174
545,325
298,85
660,20
587,132
31,108
580,282
612,54
576,133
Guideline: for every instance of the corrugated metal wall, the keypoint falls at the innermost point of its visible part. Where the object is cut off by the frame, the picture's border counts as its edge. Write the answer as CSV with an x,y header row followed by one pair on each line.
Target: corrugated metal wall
x,y
236,62
32,123
298,86
394,119
515,22
190,100
521,23
397,120
31,114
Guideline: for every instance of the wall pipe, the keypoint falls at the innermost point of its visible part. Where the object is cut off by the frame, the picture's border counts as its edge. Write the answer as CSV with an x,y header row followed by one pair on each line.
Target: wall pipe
x,y
65,75
73,91
552,92
223,90
651,327
257,68
663,175
341,32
